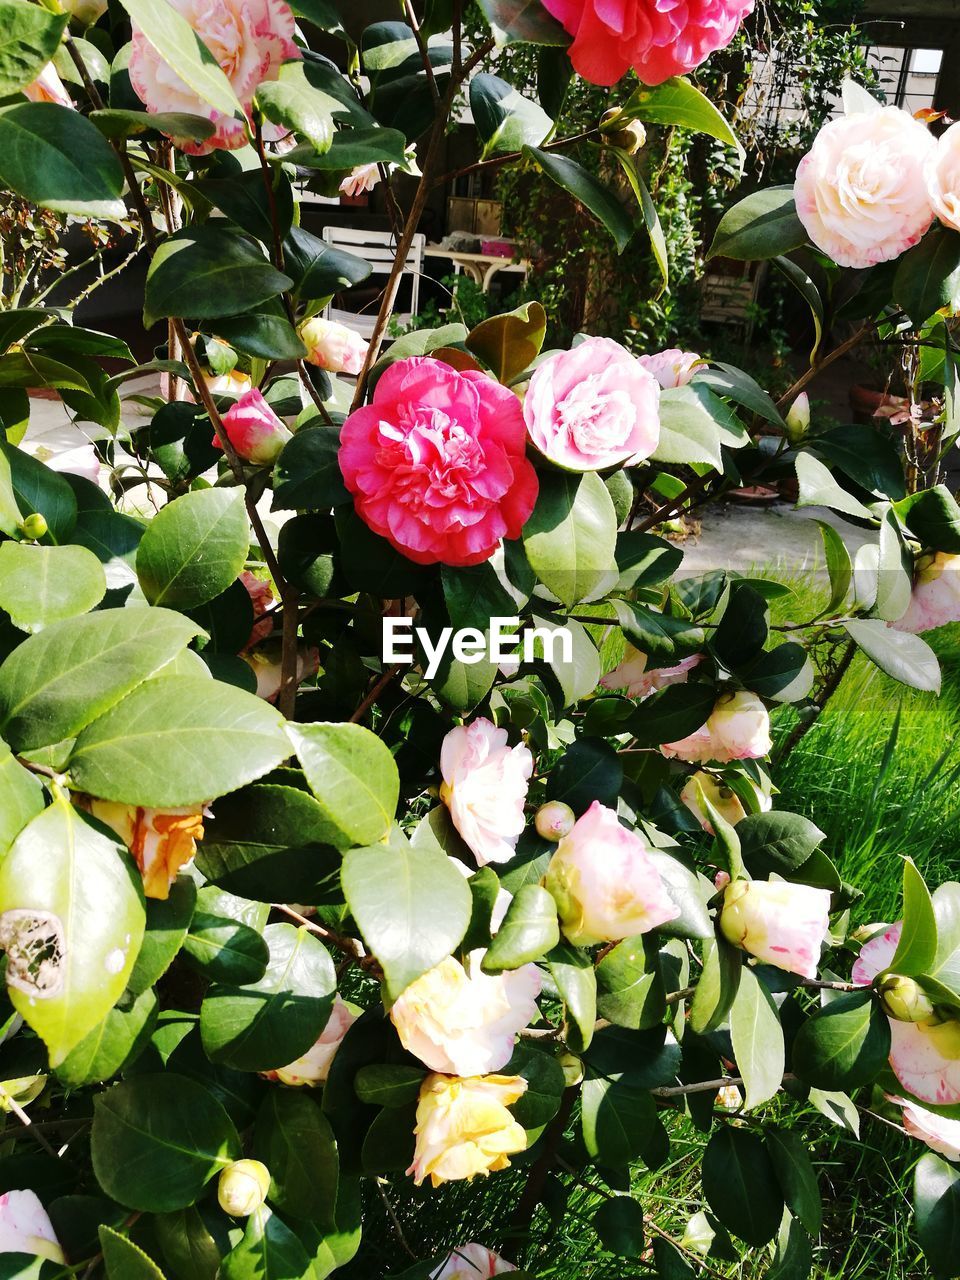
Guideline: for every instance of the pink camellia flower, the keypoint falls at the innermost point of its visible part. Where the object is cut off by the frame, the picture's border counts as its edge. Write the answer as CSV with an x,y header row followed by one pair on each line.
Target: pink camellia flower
x,y
593,407
360,179
924,1056
935,599
725,800
943,177
938,1132
861,191
779,923
673,367
314,1066
333,346
436,463
631,674
657,38
254,429
738,728
463,1022
604,882
25,1227
485,786
262,598
48,87
250,39
472,1262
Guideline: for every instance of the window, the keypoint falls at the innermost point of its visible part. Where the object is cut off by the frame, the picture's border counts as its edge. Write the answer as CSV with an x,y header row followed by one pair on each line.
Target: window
x,y
908,77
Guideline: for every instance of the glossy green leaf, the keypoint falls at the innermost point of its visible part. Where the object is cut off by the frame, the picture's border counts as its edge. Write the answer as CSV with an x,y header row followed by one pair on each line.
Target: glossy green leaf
x,y
504,118
194,548
294,1140
617,1120
574,976
54,157
905,657
269,1250
529,930
777,842
222,944
796,1175
844,1044
630,987
319,270
509,343
30,37
718,986
307,475
125,1260
763,225
936,1204
928,275
119,1038
291,101
21,797
168,920
117,123
42,585
584,187
740,1184
619,1224
917,949
757,1039
34,487
204,273
354,778
933,516
570,539
383,1085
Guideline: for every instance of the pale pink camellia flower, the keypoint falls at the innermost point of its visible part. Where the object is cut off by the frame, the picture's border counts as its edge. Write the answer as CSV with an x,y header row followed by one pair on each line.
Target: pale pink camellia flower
x,y
673,367
935,599
262,598
943,177
861,191
250,39
77,460
657,38
333,346
484,787
25,1227
436,463
266,664
254,430
233,384
924,1056
777,922
725,800
938,1132
593,407
461,1021
360,179
604,882
631,674
48,87
464,1127
472,1262
738,728
314,1066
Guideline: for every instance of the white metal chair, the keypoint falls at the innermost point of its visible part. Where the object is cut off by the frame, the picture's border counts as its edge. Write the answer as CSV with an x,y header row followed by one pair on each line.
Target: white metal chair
x,y
379,249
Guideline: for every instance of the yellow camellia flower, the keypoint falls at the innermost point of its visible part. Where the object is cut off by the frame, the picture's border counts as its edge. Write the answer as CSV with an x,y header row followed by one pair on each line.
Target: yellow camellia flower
x,y
162,841
464,1128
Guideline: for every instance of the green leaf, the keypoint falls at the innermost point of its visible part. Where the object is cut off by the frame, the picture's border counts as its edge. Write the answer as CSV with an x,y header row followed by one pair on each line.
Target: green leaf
x,y
588,770
504,118
917,949
194,548
796,1175
72,899
36,488
55,158
805,286
936,1205
818,488
294,1140
630,165
168,920
293,102
757,1039
928,275
119,1038
743,628
933,516
844,1044
42,585
689,894
57,682
270,337
205,273
618,1120
660,636
529,930
389,1143
21,797
177,741
740,1185
157,1140
736,385
903,656
839,565
269,1250
619,1224
320,270
307,474
783,674
688,431
945,968
867,456
383,1085
353,147
673,713
763,225
793,1256
271,1023
522,22
571,536
29,37
778,842
585,188
221,944
679,102
509,343
353,775
718,986
412,906
575,978
124,1260
117,123
179,46
630,987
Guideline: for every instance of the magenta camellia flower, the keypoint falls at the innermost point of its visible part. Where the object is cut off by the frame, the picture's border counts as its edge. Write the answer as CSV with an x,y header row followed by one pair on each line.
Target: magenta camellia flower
x,y
333,346
935,599
593,407
861,190
254,429
938,1132
604,882
436,462
943,177
673,367
738,728
779,923
631,674
250,39
472,1262
25,1226
484,786
657,38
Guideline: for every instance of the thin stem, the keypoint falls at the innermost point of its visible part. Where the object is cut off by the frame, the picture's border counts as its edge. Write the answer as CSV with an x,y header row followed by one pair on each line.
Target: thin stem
x,y
424,50
287,694
670,508
790,395
374,694
347,945
25,1120
392,1215
702,1086
267,174
313,393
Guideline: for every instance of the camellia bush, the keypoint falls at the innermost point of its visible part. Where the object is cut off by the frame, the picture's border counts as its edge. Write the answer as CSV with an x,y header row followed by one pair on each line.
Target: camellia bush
x,y
436,833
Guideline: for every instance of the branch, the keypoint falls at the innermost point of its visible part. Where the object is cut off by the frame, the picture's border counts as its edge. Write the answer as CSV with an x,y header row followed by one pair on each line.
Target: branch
x,y
424,50
532,1192
374,694
789,396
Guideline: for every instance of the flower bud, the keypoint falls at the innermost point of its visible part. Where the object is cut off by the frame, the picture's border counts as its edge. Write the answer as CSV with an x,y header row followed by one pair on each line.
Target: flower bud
x,y
554,820
254,430
243,1187
905,1000
798,418
34,526
629,137
333,346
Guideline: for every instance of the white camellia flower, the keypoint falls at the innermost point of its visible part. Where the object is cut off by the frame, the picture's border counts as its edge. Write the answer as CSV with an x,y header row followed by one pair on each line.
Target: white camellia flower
x,y
25,1226
464,1127
472,1262
738,728
485,786
935,599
